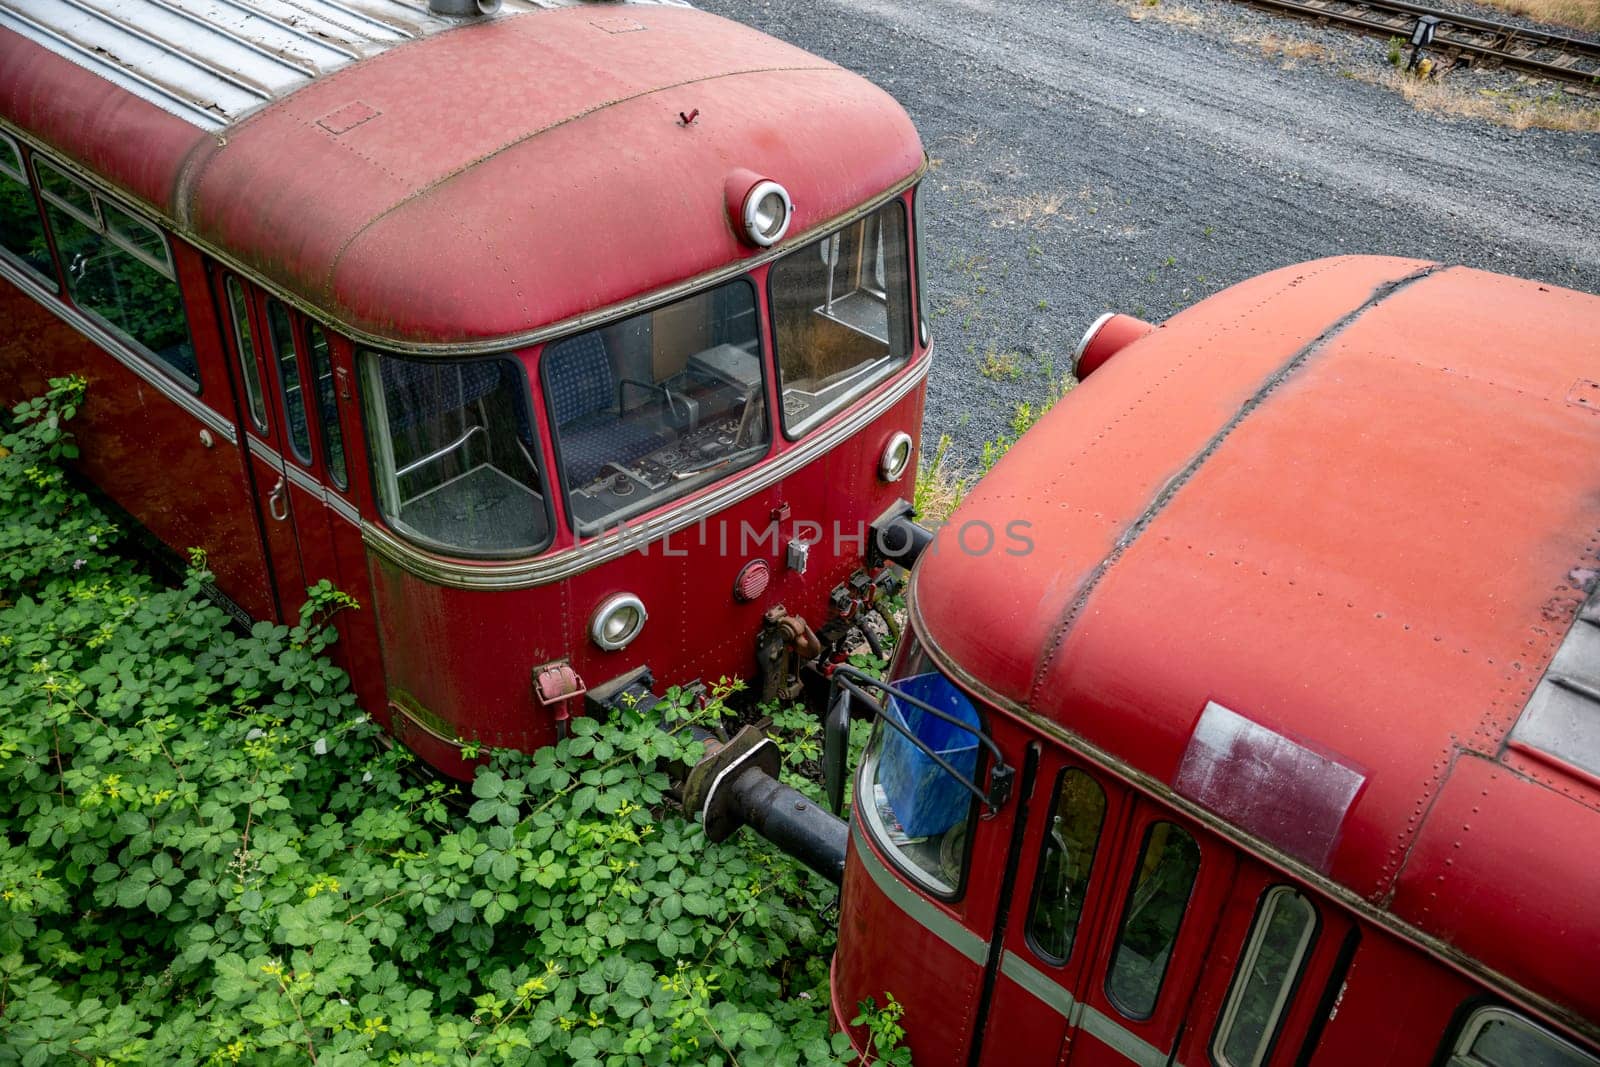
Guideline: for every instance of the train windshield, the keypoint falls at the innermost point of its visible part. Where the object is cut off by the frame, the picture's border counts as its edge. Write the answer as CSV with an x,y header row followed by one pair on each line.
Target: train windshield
x,y
915,810
841,314
657,405
453,454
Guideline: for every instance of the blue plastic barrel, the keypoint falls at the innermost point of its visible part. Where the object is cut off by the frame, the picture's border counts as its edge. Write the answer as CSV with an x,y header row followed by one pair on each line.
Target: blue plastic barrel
x,y
925,798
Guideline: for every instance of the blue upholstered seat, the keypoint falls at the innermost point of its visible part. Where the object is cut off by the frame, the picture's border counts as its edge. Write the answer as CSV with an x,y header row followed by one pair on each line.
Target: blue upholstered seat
x,y
583,398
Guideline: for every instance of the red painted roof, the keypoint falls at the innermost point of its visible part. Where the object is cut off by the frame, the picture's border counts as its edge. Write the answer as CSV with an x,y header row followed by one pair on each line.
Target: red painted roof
x,y
1355,502
489,180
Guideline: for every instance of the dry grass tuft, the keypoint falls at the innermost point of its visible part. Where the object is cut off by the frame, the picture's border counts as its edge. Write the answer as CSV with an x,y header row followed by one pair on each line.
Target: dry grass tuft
x,y
1579,14
1552,111
939,489
1271,44
1156,10
1033,209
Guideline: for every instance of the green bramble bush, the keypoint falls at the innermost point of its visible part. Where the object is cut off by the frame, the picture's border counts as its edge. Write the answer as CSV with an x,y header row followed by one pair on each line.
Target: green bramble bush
x,y
210,858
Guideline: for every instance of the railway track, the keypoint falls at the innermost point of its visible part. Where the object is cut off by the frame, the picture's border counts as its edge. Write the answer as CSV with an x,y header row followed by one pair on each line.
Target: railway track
x,y
1461,39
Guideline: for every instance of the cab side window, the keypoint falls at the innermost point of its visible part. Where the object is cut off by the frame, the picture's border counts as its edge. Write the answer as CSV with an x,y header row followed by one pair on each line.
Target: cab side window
x,y
21,228
119,270
1070,841
1499,1037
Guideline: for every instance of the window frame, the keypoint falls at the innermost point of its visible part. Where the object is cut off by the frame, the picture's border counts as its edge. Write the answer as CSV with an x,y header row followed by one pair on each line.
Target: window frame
x,y
922,330
1472,1018
22,178
249,363
910,647
1038,875
868,385
308,459
341,483
96,222
1248,954
380,451
764,362
1123,914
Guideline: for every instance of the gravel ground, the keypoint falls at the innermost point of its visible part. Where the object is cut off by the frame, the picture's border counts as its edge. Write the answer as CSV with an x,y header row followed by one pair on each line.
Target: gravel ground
x,y
1091,156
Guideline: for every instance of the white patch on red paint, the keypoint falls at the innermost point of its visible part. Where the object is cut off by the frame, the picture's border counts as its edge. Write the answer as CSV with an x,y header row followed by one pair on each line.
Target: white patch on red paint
x,y
1269,786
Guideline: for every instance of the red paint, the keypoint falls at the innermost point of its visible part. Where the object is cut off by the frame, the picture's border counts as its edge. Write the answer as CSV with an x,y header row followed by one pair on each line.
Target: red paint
x,y
397,199
1369,545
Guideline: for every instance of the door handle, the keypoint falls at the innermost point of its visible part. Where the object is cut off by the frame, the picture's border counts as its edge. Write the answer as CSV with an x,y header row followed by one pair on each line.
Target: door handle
x,y
278,501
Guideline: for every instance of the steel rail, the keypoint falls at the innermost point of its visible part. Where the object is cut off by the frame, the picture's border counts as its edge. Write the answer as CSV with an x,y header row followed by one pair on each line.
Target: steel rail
x,y
1478,42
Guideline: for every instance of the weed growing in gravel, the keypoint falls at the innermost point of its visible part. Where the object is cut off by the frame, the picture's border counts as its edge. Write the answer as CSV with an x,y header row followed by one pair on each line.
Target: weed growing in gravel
x,y
1000,366
941,487
1396,44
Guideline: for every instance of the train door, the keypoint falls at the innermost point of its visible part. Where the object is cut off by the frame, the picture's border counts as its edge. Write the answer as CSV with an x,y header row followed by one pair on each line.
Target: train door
x,y
263,433
1138,937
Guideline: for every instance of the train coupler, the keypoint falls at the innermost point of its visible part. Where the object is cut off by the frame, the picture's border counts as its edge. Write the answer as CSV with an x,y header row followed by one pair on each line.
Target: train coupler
x,y
736,784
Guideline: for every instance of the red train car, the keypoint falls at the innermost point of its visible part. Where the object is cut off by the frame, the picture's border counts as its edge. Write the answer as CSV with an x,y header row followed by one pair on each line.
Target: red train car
x,y
1281,701
575,341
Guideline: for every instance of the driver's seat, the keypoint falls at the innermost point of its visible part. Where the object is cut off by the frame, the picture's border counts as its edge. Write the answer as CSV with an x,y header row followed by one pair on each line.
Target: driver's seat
x,y
590,430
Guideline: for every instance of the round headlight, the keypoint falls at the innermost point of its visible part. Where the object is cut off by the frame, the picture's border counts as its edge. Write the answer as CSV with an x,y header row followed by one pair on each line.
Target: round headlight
x,y
617,621
767,209
896,457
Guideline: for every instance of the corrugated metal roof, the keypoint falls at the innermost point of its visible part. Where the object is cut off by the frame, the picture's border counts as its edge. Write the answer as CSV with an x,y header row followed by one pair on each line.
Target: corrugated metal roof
x,y
211,62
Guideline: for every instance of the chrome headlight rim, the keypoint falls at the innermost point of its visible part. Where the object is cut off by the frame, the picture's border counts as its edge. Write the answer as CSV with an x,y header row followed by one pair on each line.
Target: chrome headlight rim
x,y
766,236
896,458
607,637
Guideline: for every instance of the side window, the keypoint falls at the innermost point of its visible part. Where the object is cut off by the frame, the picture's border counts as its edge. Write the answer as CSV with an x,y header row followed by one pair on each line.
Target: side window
x,y
1280,940
294,397
119,270
1498,1037
327,406
1070,841
452,453
238,311
1167,867
21,228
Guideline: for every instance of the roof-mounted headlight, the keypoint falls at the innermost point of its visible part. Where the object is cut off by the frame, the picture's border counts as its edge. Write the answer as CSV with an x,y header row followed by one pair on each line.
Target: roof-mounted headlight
x,y
766,214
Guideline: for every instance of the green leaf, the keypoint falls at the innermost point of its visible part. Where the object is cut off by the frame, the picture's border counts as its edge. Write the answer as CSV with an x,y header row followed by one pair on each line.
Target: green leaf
x,y
159,899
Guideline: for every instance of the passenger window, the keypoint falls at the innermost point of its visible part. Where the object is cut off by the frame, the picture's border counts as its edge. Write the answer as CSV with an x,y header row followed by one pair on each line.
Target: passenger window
x,y
657,405
1270,966
1162,881
1070,840
1497,1037
452,452
841,315
21,228
238,310
119,270
327,406
294,397
915,810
